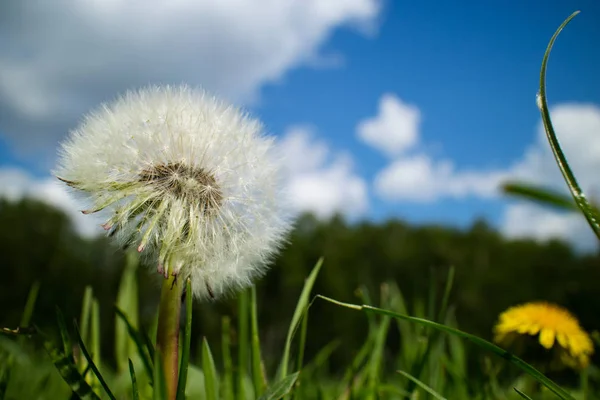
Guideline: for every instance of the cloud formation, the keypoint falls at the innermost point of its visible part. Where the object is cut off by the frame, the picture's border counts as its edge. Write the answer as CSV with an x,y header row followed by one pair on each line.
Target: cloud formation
x,y
394,129
61,58
416,176
319,183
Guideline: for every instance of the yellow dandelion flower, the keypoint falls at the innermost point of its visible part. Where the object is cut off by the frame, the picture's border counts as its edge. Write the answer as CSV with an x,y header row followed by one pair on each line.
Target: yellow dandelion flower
x,y
555,328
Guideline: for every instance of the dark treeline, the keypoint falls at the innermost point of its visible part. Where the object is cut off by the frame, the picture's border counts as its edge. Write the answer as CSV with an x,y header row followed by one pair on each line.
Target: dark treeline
x,y
39,243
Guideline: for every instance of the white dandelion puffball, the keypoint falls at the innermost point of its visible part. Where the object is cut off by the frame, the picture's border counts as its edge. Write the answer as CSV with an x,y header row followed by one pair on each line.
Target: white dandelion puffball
x,y
190,181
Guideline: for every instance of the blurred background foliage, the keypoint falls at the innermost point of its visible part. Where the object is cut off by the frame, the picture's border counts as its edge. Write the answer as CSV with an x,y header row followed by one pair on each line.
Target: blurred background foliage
x,y
39,243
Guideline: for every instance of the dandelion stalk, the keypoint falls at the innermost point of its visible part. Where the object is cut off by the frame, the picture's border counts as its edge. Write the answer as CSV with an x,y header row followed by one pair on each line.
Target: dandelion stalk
x,y
167,335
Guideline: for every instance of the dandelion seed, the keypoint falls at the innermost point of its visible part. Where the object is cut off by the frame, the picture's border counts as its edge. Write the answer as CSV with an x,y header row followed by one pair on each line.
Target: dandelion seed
x,y
188,180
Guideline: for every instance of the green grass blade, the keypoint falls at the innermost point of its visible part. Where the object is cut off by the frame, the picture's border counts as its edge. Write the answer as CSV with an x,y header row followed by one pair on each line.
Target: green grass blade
x,y
584,205
243,308
94,338
446,297
127,301
302,341
227,391
64,335
148,343
422,385
258,376
187,341
376,359
92,364
67,370
433,337
139,342
301,307
321,357
160,384
84,320
540,195
523,395
281,388
4,378
537,375
30,304
210,372
134,388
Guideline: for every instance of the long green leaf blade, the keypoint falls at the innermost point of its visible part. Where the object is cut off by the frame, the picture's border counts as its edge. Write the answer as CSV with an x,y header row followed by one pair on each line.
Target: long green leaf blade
x,y
68,371
92,364
523,395
537,375
227,391
187,341
243,308
584,205
301,307
210,372
540,195
258,375
139,342
281,388
134,388
422,385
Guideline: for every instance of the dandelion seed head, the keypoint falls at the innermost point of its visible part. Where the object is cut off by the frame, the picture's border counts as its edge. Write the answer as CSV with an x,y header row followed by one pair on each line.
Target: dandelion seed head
x,y
192,182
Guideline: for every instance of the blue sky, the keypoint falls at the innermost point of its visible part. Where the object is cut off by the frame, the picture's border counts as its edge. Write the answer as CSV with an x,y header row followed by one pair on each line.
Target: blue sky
x,y
469,70
472,70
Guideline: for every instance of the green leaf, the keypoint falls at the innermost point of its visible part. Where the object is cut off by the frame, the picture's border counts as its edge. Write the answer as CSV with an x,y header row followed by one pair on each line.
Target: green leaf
x,y
584,205
258,375
64,335
523,395
127,302
537,375
375,361
227,391
139,342
84,320
134,389
67,370
4,378
242,341
210,372
422,385
301,307
187,341
281,388
92,364
540,195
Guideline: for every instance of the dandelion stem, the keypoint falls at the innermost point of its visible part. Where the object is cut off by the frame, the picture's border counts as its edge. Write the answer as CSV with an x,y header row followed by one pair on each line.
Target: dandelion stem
x,y
167,335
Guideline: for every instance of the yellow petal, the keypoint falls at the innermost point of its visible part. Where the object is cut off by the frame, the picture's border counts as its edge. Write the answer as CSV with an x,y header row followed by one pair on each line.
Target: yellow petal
x,y
547,338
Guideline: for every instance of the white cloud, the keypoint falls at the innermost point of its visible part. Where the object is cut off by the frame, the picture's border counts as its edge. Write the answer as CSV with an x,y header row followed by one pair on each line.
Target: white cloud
x,y
317,184
578,129
16,184
532,221
61,58
421,179
394,129
416,177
